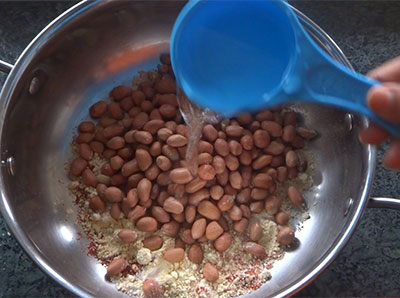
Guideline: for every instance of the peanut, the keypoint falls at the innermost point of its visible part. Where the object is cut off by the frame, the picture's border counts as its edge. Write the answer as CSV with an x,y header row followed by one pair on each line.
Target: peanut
x,y
195,254
174,255
153,242
152,289
210,273
146,224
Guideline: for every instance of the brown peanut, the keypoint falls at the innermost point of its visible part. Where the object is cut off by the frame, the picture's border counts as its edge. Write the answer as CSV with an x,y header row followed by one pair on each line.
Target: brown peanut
x,y
210,133
198,228
77,166
116,267
255,231
174,255
181,176
221,147
285,236
190,214
235,213
170,229
195,254
273,204
206,172
226,202
241,225
127,236
255,249
144,189
172,205
218,164
198,196
146,224
282,218
213,230
153,242
295,196
113,194
261,138
186,236
98,109
216,192
210,273
152,289
195,185
209,210
97,204
176,140
160,214
223,242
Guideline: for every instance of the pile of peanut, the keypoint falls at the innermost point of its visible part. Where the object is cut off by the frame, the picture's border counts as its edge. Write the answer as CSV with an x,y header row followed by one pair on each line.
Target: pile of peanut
x,y
142,136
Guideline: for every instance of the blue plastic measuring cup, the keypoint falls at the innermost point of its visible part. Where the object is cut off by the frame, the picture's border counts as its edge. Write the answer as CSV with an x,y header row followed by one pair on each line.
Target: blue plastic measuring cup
x,y
243,55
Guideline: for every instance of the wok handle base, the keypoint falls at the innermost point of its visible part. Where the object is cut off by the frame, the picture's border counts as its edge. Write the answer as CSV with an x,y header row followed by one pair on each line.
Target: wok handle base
x,y
389,203
5,67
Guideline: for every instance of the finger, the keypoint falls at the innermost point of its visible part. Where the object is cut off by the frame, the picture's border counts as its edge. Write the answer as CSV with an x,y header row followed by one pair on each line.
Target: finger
x,y
387,72
373,135
384,100
392,156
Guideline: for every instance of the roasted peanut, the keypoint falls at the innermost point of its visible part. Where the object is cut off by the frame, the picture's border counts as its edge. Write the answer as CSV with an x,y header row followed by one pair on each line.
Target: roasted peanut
x,y
209,210
143,159
255,249
282,218
235,213
216,192
221,147
186,236
116,267
295,196
98,109
146,224
174,255
97,204
206,172
181,176
127,236
255,231
210,273
152,289
198,228
195,254
226,202
210,133
213,230
285,236
113,194
241,225
261,138
172,205
272,204
195,185
153,242
223,242
170,229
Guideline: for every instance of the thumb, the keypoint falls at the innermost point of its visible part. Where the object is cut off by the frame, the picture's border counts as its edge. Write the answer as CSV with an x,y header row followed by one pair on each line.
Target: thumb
x,y
384,100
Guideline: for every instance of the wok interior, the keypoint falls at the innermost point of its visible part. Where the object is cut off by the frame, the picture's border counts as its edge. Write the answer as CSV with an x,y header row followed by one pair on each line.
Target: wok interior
x,y
77,66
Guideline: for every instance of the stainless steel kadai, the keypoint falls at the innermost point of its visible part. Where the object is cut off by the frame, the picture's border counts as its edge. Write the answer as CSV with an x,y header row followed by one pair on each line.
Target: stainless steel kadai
x,y
72,63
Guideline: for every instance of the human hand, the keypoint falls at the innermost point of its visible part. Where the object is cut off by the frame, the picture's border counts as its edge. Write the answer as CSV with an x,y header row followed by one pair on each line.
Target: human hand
x,y
384,100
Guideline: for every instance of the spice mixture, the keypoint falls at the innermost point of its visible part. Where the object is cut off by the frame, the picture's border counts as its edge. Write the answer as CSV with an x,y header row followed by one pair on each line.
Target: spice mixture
x,y
163,230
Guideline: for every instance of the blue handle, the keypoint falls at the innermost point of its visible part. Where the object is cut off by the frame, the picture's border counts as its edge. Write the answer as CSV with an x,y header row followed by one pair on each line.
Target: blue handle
x,y
327,82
